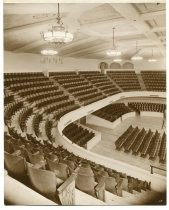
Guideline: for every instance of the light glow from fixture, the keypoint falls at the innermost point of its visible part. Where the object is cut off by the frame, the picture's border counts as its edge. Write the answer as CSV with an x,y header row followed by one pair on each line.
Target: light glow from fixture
x,y
152,59
137,58
117,60
49,52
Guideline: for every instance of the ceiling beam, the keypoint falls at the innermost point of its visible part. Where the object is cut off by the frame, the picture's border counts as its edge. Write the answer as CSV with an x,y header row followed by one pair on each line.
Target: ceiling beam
x,y
29,46
71,17
16,29
151,15
134,19
158,28
131,48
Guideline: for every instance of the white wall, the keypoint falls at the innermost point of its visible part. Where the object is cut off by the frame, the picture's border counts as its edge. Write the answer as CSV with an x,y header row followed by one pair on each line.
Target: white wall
x,y
19,62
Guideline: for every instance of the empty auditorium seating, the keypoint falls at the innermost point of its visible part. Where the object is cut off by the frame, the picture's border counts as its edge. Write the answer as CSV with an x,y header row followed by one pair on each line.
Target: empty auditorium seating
x,y
143,143
162,151
77,134
57,160
100,81
78,87
47,184
127,80
112,111
154,80
143,106
52,169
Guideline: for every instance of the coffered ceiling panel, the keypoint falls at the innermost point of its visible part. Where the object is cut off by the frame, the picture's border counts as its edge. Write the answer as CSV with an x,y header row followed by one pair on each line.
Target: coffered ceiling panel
x,y
91,24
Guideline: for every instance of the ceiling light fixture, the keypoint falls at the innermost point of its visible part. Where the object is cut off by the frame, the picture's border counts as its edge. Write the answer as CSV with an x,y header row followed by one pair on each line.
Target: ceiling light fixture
x,y
114,51
136,57
152,59
57,34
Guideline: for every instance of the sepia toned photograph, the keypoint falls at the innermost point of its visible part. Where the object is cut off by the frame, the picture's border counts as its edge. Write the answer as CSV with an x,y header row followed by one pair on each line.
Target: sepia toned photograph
x,y
84,103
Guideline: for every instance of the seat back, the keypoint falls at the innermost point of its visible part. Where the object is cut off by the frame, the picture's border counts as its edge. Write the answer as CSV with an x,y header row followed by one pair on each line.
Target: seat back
x,y
15,165
110,184
43,181
61,171
35,158
85,180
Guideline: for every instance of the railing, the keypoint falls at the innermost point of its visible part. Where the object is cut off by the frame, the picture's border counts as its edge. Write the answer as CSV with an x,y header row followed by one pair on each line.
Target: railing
x,y
151,167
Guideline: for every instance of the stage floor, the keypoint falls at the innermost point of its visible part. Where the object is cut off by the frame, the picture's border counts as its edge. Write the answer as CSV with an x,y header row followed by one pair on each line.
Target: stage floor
x,y
106,146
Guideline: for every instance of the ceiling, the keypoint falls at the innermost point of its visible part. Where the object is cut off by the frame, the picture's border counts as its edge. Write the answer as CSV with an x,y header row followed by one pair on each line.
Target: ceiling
x,y
91,24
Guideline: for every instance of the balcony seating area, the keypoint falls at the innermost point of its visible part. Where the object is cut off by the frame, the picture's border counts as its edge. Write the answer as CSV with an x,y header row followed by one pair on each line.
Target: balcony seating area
x,y
77,134
112,111
41,92
78,87
143,143
10,110
143,106
50,168
127,80
100,81
154,80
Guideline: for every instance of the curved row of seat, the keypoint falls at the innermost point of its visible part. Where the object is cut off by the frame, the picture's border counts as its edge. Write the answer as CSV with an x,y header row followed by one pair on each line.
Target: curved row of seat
x,y
78,87
143,106
154,80
77,134
101,82
112,111
143,143
34,160
33,148
127,80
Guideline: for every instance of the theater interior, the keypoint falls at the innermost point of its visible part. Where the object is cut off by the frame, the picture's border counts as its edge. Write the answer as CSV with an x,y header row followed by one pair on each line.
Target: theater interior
x,y
84,102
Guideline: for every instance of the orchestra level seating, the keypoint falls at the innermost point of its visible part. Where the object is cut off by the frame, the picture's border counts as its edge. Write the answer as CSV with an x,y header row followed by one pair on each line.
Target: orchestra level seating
x,y
143,143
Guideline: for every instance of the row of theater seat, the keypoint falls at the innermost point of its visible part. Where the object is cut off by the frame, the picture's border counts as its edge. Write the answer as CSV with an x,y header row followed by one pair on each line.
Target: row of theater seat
x,y
113,180
101,82
143,106
78,87
127,80
77,134
154,80
143,143
42,158
112,111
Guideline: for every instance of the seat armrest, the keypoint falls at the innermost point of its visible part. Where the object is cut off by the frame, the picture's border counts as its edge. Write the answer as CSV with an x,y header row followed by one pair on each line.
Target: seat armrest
x,y
100,189
66,192
40,165
17,153
119,187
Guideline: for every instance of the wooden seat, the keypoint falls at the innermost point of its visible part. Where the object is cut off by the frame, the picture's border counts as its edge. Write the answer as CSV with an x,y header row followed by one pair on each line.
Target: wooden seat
x,y
45,182
61,170
110,182
85,182
15,165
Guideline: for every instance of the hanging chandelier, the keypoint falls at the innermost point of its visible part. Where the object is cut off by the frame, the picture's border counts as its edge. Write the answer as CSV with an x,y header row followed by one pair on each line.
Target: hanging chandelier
x,y
152,59
58,33
114,51
136,57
